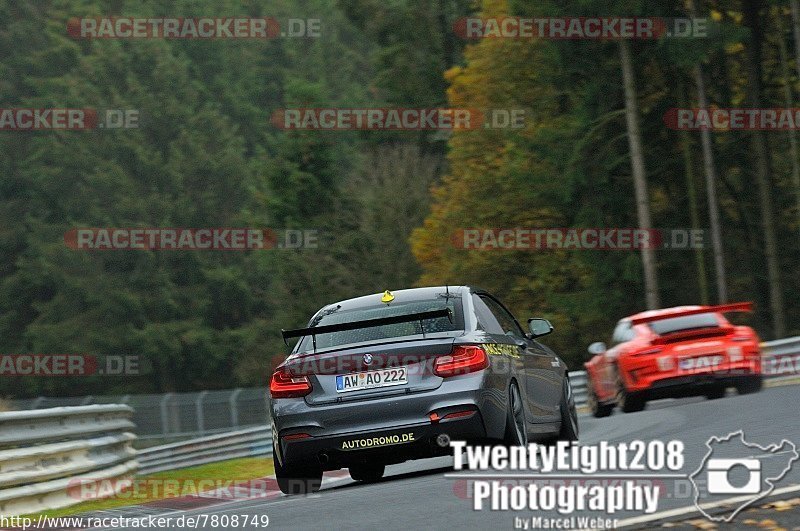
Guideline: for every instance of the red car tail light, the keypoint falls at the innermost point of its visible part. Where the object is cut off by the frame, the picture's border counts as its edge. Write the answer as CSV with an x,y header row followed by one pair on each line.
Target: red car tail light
x,y
460,414
435,418
296,436
463,360
284,385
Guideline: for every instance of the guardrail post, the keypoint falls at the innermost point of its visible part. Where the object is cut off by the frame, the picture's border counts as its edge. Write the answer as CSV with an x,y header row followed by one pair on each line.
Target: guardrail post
x,y
235,407
199,410
165,414
36,402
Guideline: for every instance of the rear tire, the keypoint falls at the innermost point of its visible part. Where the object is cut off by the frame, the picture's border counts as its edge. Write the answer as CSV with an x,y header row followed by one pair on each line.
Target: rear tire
x,y
749,385
569,416
716,392
297,480
628,402
367,473
516,426
598,410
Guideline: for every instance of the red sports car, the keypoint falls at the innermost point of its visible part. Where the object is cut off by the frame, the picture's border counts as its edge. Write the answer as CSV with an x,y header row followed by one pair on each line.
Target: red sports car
x,y
671,353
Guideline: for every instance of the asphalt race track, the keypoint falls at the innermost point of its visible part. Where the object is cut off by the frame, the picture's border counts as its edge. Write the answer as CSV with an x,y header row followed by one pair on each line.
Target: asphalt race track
x,y
417,495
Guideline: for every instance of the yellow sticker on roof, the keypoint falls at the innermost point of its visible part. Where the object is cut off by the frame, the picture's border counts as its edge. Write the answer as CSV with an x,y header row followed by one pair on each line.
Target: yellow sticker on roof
x,y
387,297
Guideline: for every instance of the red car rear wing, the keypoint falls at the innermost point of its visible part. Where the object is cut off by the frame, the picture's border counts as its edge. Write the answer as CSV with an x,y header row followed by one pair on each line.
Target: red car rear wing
x,y
721,308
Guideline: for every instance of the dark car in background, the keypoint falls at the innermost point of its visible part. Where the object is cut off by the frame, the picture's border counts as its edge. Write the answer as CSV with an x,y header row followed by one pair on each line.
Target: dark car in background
x,y
385,378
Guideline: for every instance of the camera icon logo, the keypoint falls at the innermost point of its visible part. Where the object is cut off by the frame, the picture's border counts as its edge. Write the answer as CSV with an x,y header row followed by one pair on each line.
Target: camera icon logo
x,y
735,473
719,480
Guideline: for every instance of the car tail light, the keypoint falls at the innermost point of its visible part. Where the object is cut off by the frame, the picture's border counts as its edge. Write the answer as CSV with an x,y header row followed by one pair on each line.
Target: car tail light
x,y
460,414
463,360
284,385
295,436
435,418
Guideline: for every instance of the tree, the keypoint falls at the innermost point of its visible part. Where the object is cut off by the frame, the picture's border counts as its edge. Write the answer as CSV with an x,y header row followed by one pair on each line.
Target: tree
x,y
794,151
639,172
711,192
752,20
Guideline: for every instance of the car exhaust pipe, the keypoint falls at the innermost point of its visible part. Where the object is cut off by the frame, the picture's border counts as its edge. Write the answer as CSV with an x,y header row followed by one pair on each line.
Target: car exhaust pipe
x,y
323,458
443,440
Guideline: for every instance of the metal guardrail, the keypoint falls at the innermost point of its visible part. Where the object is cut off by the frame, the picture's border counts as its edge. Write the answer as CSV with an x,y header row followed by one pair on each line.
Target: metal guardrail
x,y
40,425
578,381
781,357
242,443
169,417
45,453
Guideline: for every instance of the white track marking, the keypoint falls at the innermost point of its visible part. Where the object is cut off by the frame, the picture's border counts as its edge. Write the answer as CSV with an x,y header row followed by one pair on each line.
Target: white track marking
x,y
693,508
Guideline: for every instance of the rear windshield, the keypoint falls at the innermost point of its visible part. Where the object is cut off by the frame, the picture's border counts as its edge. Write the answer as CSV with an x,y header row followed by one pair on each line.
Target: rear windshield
x,y
689,322
431,326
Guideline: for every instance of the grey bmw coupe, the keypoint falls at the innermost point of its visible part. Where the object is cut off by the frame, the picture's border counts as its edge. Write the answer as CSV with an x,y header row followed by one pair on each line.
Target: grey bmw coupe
x,y
384,378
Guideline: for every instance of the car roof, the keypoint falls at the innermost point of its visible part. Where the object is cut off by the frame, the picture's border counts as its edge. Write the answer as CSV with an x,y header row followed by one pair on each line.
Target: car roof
x,y
401,295
662,311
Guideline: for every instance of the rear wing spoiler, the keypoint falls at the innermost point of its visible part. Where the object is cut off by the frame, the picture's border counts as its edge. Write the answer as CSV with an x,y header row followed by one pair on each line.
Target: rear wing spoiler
x,y
720,308
314,331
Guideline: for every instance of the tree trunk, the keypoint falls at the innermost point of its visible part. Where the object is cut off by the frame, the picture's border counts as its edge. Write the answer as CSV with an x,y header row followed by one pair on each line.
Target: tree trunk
x,y
639,172
796,30
711,193
694,214
752,21
787,96
710,169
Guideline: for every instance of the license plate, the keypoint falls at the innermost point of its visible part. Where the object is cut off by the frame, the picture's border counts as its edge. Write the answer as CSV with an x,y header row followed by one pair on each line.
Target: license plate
x,y
371,379
704,362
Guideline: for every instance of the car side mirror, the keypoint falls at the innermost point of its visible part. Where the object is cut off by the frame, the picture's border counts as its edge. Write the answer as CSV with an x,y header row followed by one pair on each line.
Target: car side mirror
x,y
597,348
539,327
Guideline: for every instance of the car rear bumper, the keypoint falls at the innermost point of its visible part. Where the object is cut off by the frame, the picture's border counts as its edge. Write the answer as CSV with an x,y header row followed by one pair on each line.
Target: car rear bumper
x,y
693,385
645,376
323,427
386,446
